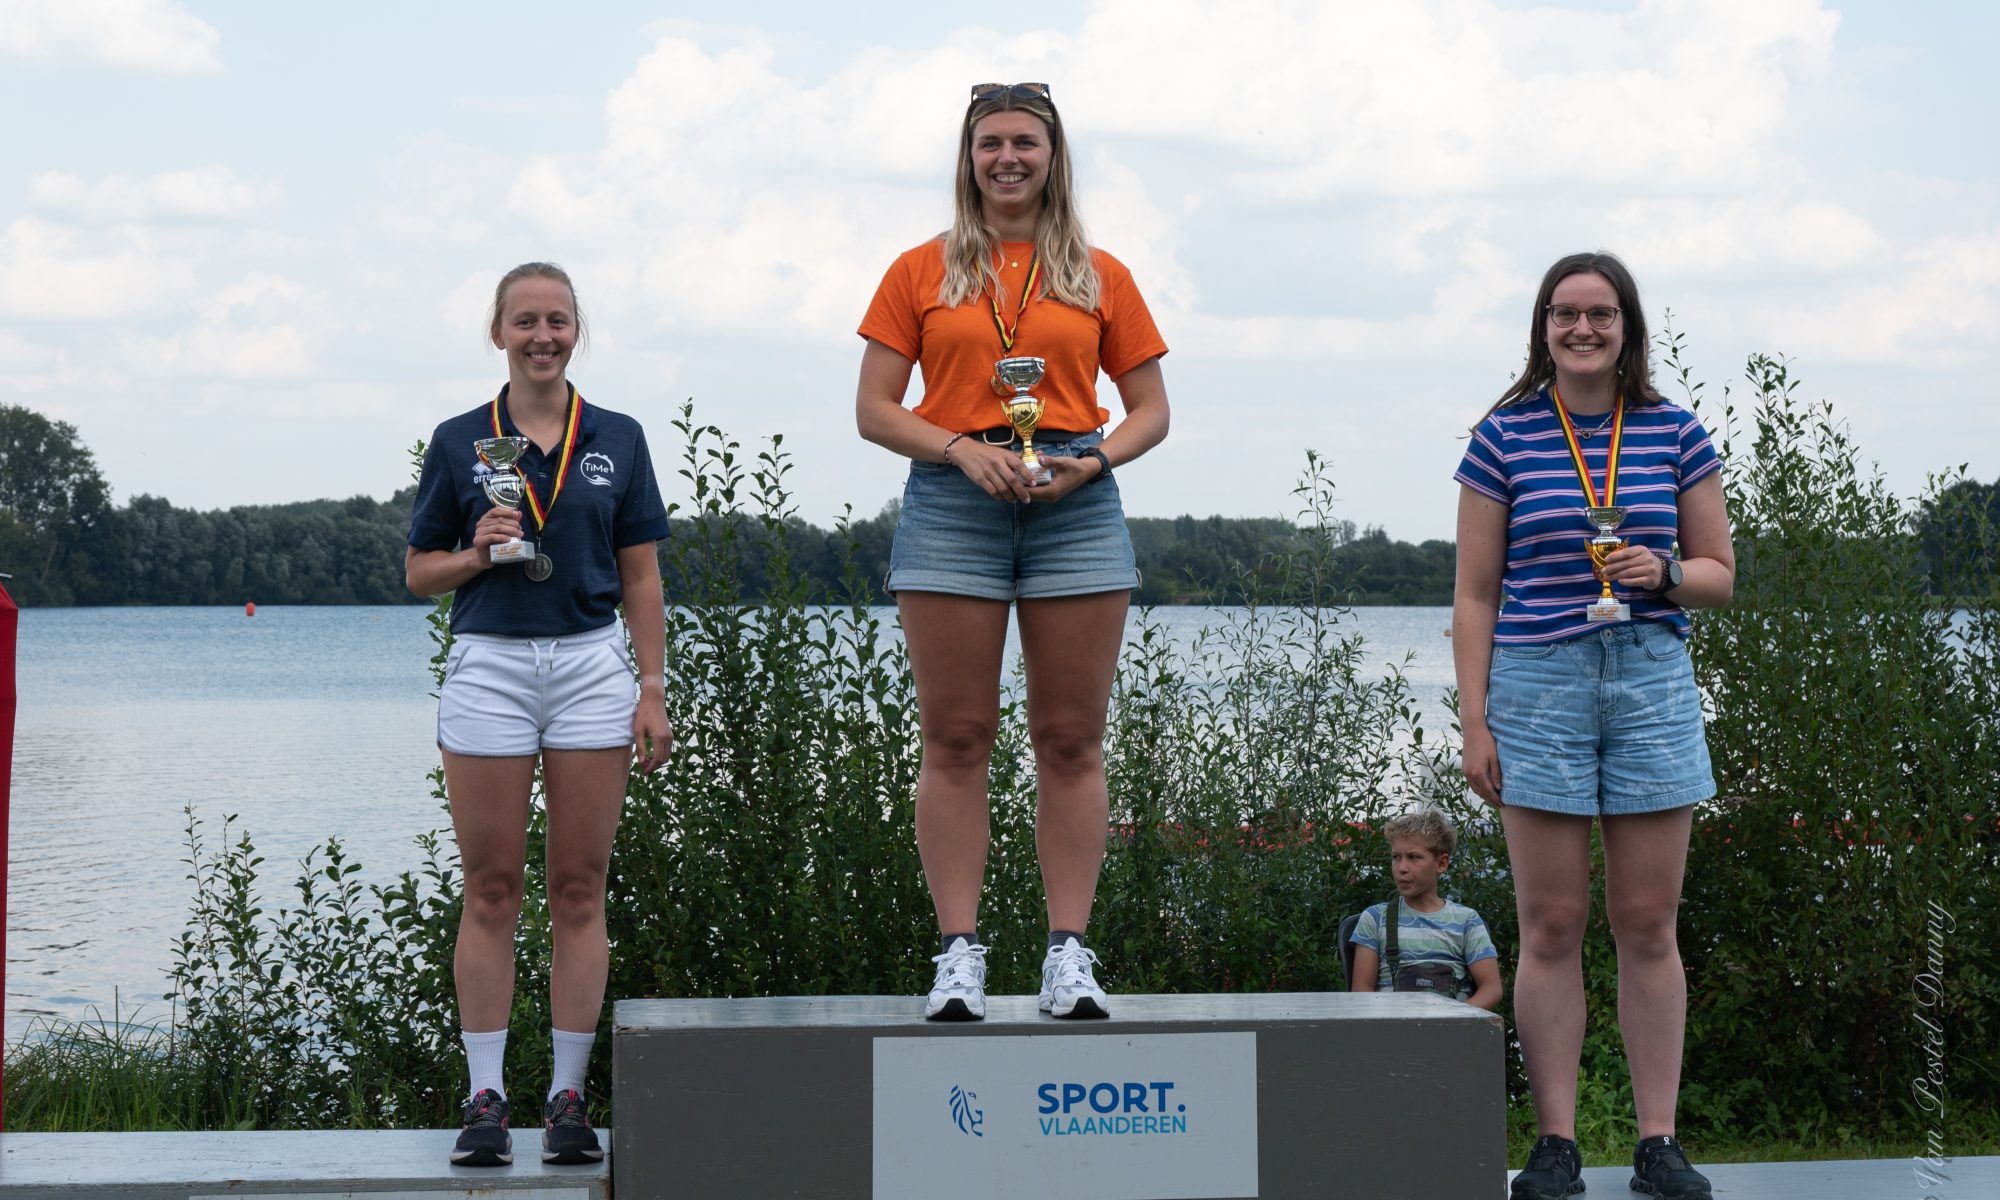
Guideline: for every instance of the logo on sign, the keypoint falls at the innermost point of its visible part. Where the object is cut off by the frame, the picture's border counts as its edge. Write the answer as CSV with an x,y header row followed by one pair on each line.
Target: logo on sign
x,y
967,1118
1113,1107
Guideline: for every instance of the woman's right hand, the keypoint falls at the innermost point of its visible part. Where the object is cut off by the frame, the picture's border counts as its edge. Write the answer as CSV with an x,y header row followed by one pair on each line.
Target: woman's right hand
x,y
498,525
996,469
1482,763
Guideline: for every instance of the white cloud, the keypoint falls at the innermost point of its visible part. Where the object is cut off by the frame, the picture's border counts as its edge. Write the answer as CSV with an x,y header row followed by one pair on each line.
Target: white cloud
x,y
146,35
1937,307
260,327
53,272
211,192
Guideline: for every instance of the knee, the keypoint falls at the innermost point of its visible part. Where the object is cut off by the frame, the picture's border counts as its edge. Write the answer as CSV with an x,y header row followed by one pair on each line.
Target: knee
x,y
493,898
576,900
1067,750
959,744
1553,931
1647,936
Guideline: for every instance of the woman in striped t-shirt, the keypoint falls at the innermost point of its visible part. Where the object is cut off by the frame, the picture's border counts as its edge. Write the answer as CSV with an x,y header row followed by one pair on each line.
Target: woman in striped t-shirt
x,y
1577,698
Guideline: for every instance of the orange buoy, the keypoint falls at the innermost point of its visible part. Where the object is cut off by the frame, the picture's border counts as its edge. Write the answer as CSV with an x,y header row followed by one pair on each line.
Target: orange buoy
x,y
250,609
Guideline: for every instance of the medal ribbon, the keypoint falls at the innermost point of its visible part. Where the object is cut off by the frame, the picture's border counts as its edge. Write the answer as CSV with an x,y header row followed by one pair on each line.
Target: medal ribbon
x,y
562,468
1027,292
1611,454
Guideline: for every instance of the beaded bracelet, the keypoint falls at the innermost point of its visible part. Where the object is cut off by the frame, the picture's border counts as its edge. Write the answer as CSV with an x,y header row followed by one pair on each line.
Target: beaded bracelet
x,y
948,445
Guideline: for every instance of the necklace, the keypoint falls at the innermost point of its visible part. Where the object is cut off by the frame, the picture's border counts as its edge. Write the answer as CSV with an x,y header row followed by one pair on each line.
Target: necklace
x,y
1587,434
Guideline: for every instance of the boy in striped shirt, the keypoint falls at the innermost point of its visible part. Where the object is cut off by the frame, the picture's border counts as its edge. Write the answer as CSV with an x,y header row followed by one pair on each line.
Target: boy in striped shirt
x,y
1432,929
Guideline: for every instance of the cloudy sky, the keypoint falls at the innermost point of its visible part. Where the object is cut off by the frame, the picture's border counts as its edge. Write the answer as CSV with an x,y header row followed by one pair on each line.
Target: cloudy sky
x,y
246,247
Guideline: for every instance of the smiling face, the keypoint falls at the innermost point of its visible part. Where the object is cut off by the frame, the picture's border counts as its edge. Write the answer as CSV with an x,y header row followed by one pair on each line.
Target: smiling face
x,y
1581,352
536,326
1416,867
1010,161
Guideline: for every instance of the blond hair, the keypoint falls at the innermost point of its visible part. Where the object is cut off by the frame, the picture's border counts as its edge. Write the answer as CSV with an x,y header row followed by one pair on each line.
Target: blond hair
x,y
1428,826
970,246
534,270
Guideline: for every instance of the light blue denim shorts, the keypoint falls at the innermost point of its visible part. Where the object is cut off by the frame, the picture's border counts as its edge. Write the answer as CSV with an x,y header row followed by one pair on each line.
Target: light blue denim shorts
x,y
1603,724
952,537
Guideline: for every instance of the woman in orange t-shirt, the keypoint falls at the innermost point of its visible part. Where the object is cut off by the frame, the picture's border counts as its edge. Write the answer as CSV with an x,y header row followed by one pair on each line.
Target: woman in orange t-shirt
x,y
1013,277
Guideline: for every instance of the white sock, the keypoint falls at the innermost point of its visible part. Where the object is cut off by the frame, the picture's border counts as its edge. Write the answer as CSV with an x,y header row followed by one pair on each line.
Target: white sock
x,y
485,1054
572,1060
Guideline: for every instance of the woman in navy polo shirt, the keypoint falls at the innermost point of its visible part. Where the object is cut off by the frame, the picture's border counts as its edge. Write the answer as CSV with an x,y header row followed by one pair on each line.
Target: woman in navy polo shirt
x,y
538,670
1576,694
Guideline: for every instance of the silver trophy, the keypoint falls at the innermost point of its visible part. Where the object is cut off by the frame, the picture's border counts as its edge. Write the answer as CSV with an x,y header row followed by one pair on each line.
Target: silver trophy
x,y
1024,412
1607,519
505,488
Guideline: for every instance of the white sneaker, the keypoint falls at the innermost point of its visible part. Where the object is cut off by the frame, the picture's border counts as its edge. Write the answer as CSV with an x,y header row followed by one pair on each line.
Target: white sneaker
x,y
959,994
1068,987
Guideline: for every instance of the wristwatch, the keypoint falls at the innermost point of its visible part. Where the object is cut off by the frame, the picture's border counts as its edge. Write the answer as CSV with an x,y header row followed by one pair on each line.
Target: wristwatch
x,y
1104,464
1671,574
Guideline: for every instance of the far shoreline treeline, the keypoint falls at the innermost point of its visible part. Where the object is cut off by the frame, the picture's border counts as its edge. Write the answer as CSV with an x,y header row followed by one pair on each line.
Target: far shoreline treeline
x,y
66,545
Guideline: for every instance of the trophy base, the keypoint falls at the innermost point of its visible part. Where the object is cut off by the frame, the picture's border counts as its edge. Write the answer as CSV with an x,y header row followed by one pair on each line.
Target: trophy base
x,y
1609,610
518,550
1039,475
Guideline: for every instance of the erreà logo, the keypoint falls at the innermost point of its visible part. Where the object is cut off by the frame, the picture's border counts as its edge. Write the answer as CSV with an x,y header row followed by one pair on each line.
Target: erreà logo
x,y
596,468
967,1118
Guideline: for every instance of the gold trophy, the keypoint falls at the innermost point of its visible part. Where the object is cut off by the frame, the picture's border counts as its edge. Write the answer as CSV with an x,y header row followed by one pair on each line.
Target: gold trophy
x,y
1024,412
1607,519
505,488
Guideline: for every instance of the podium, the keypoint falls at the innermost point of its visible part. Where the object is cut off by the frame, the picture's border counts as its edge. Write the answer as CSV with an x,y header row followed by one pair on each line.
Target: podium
x,y
1213,1096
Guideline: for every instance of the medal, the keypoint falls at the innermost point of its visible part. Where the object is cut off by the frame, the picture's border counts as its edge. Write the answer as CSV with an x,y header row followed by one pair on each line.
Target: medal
x,y
1607,516
542,566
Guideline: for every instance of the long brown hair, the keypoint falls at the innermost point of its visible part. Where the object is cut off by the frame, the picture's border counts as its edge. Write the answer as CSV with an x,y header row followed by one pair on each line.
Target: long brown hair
x,y
1635,363
970,246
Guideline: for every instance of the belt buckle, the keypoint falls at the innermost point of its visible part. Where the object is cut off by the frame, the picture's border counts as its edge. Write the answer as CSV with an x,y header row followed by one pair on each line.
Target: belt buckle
x,y
1006,436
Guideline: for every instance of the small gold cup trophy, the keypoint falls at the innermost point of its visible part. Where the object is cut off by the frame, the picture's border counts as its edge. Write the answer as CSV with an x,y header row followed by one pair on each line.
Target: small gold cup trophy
x,y
505,488
1024,412
1607,519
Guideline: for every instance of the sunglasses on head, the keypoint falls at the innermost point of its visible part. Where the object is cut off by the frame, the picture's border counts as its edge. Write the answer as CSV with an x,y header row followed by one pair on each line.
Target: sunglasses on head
x,y
1018,91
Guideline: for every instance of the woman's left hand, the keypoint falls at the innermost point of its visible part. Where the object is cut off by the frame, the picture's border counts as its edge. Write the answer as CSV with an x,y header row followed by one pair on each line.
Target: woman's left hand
x,y
652,733
1635,567
1067,473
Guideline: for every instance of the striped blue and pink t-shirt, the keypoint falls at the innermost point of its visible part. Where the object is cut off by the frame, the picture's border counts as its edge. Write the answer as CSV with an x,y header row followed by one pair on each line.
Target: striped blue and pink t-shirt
x,y
1518,457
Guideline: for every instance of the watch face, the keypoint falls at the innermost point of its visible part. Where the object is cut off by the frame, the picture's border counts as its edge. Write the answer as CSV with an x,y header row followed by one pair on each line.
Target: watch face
x,y
1673,575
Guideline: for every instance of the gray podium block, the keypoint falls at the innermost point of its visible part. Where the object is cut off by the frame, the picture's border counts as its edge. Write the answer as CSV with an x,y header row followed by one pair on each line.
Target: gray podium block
x,y
1335,1094
344,1164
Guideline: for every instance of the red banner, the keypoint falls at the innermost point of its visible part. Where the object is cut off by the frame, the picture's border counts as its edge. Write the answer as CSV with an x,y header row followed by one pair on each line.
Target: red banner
x,y
10,620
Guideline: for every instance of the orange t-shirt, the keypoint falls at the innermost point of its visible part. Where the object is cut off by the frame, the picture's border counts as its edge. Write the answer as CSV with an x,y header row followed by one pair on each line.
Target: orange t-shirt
x,y
957,347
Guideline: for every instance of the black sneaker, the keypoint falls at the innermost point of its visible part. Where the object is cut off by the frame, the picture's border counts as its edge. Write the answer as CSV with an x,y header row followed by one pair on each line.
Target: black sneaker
x,y
1554,1170
1660,1168
483,1140
566,1133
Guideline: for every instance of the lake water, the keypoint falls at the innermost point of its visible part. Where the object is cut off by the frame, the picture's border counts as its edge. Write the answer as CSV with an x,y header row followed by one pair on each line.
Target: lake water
x,y
302,722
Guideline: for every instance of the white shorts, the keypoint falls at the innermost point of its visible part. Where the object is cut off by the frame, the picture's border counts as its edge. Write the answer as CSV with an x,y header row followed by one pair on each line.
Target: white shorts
x,y
504,696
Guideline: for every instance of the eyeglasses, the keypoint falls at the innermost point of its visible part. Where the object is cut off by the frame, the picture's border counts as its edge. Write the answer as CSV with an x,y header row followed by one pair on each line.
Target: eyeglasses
x,y
1018,91
1564,315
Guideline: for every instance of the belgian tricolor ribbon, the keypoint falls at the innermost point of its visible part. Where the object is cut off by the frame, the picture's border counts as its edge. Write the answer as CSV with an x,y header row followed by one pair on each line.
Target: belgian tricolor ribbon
x,y
562,468
1027,293
1611,453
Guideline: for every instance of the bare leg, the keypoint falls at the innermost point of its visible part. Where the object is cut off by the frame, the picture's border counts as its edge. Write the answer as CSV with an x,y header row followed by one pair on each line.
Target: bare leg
x,y
1550,858
586,794
955,646
489,817
1645,860
1071,646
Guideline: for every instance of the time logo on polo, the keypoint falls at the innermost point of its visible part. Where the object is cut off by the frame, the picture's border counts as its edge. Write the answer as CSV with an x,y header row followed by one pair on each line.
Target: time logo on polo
x,y
1104,1115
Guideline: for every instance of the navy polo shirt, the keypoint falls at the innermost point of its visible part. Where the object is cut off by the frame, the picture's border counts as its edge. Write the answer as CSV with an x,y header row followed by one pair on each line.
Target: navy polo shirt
x,y
611,500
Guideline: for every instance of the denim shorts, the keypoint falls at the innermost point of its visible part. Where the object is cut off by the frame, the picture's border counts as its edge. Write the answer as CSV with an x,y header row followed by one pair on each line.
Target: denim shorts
x,y
1603,724
506,696
953,537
